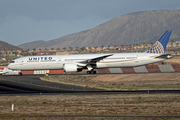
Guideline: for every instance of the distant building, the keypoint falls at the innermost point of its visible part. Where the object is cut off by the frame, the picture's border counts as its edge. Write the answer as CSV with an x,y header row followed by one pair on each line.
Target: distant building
x,y
40,53
3,59
62,53
12,55
177,42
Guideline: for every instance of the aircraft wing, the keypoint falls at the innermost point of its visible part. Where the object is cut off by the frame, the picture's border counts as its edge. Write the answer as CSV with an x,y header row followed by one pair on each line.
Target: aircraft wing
x,y
94,60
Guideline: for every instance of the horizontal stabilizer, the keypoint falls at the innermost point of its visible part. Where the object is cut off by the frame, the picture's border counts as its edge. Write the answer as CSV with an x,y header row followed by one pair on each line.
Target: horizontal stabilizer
x,y
165,56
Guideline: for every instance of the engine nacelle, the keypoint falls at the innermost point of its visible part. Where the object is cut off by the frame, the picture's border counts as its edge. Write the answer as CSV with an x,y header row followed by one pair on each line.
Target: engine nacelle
x,y
70,67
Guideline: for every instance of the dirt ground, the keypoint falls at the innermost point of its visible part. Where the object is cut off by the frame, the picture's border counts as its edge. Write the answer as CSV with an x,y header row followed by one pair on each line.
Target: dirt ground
x,y
150,81
112,104
118,104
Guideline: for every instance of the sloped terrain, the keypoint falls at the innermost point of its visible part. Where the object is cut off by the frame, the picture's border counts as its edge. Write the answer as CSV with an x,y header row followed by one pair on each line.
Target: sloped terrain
x,y
5,46
133,28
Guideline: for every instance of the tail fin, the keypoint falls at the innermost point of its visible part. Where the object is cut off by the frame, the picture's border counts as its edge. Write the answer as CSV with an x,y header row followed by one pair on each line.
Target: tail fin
x,y
159,46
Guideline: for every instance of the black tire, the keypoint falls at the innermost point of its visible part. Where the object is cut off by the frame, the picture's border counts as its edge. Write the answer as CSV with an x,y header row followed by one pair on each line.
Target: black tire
x,y
20,74
88,72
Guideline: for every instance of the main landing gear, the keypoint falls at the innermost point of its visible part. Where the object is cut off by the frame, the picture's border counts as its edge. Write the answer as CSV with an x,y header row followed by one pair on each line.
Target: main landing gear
x,y
91,72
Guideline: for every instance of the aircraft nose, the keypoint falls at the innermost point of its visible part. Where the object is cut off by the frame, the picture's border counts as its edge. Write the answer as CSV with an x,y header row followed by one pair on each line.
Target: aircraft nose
x,y
9,66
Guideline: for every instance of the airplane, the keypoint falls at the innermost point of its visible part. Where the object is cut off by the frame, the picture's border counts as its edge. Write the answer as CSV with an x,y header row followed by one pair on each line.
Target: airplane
x,y
78,62
3,72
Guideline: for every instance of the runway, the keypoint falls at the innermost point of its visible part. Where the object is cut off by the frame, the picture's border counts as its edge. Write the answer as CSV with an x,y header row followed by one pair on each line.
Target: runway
x,y
31,84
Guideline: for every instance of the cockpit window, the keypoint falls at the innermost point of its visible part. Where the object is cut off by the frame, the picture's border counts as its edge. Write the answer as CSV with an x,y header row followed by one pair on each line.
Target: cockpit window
x,y
12,61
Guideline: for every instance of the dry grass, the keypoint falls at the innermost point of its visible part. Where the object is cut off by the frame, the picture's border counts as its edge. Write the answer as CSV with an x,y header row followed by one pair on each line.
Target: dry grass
x,y
117,104
132,105
153,81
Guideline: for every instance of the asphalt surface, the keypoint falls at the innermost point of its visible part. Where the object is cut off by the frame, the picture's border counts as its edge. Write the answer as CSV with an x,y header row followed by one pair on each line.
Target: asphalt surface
x,y
31,84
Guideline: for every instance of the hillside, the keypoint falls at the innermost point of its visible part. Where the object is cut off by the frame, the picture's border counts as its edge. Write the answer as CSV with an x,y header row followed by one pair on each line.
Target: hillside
x,y
32,45
5,46
133,28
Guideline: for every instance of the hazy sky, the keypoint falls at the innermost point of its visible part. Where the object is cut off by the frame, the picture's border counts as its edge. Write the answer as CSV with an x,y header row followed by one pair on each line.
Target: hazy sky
x,y
23,21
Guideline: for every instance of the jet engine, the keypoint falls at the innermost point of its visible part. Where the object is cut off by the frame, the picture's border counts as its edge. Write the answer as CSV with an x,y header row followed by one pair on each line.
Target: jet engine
x,y
71,67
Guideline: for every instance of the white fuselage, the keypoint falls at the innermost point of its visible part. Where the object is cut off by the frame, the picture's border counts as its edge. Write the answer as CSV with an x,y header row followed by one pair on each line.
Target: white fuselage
x,y
117,60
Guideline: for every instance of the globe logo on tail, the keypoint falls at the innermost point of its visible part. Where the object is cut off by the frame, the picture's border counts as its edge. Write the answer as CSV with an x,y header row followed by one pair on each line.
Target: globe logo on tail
x,y
159,46
156,48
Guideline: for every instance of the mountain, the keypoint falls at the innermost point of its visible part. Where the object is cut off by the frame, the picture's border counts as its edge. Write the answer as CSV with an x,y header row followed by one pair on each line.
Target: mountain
x,y
133,28
5,46
32,45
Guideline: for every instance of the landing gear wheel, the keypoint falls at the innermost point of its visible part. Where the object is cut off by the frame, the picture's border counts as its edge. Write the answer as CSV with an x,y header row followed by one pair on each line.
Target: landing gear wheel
x,y
88,72
94,72
91,72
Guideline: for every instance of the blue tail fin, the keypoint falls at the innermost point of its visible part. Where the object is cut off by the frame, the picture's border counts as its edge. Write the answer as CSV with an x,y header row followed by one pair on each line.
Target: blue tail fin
x,y
159,46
